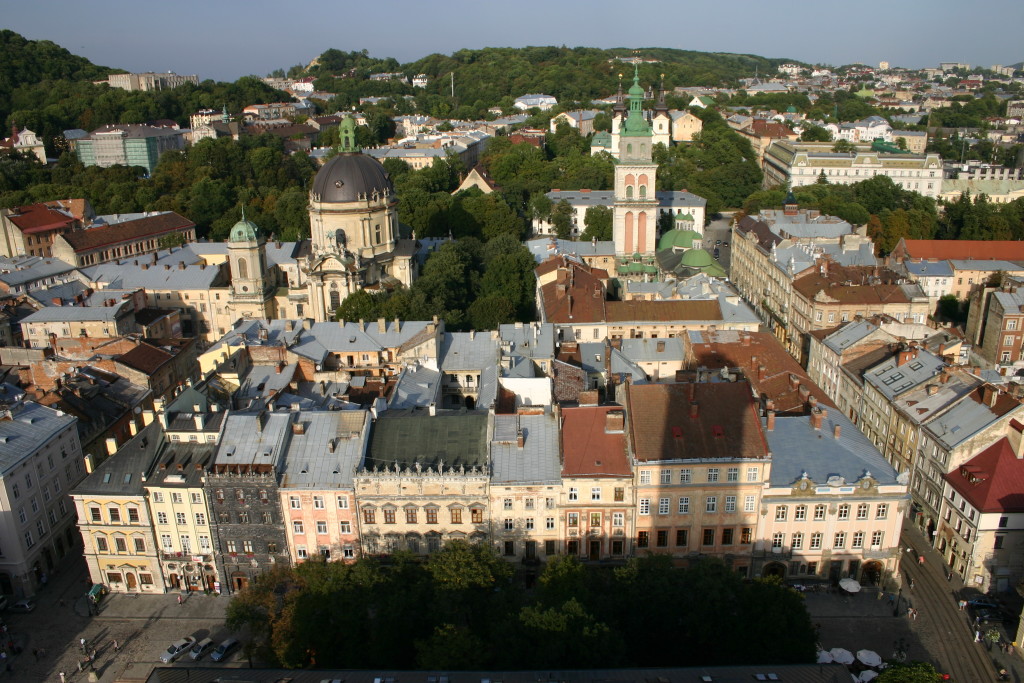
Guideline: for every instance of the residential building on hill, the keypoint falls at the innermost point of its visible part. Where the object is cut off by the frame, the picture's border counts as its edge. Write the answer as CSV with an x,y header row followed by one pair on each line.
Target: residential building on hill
x,y
144,234
149,81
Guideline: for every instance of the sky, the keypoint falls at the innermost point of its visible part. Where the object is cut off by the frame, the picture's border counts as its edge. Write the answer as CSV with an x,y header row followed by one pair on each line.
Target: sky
x,y
227,39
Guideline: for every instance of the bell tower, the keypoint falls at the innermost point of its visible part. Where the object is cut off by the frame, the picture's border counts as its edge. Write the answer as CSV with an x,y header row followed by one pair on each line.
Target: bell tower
x,y
247,259
635,213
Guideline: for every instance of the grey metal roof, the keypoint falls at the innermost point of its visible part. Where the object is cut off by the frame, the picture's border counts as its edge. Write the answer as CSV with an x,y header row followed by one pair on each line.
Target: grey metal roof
x,y
417,387
848,335
620,365
487,392
308,459
122,473
929,268
537,462
78,313
892,380
257,439
919,406
532,340
331,337
21,270
31,425
322,395
468,351
798,448
129,276
654,350
266,381
960,422
983,264
65,291
449,438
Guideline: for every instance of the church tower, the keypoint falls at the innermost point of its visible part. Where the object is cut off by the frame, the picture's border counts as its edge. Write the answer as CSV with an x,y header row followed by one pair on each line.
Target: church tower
x,y
247,258
661,122
635,213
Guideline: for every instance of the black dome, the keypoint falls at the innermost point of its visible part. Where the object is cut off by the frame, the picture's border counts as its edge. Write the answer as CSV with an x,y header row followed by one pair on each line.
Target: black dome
x,y
346,177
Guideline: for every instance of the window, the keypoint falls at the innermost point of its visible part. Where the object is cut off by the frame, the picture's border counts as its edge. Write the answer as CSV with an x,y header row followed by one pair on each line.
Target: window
x,y
642,539
797,541
507,503
318,502
176,497
342,502
549,523
179,518
300,552
682,537
158,497
510,547
800,513
730,503
431,515
574,493
711,504
645,506
200,519
115,515
321,527
684,505
456,515
204,544
819,513
477,515
663,504
528,503
595,493
662,538
573,519
727,535
140,545
732,474
121,545
778,538
101,544
348,552
1011,324
748,503
345,527
389,515
862,511
197,498
746,534
780,513
529,523
882,511
368,516
816,541
752,474
708,537
858,540
844,512
618,519
297,527
839,541
410,515
685,475
549,503
666,476
620,494
294,502
712,474
161,518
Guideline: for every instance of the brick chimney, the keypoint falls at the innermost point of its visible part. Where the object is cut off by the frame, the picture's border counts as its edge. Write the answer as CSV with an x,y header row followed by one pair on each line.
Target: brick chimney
x,y
694,410
1015,437
614,422
771,421
836,430
816,417
520,439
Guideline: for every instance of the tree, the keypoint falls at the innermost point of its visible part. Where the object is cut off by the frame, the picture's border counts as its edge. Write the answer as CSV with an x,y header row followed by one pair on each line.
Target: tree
x,y
814,133
561,219
598,220
843,146
914,672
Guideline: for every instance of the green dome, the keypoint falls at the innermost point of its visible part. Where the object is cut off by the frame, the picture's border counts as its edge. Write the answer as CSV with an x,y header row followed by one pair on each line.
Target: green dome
x,y
244,231
696,258
791,109
684,217
681,239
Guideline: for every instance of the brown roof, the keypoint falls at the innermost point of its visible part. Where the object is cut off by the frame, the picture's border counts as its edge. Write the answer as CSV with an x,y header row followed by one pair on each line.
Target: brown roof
x,y
833,283
942,250
589,449
993,480
766,239
145,358
40,218
770,129
574,296
663,311
149,226
774,374
726,426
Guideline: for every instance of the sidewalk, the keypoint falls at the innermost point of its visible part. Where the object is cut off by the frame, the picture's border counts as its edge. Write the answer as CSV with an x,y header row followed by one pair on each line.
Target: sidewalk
x,y
136,606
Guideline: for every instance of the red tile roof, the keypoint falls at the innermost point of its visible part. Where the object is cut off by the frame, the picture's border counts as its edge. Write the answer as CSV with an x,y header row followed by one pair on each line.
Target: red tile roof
x,y
993,480
150,226
942,250
726,425
663,311
769,129
36,218
575,295
588,449
145,358
832,284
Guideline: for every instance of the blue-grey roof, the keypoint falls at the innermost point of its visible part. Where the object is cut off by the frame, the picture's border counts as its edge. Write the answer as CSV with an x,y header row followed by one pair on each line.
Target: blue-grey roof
x,y
487,392
167,277
78,313
892,380
468,351
929,268
621,366
537,461
264,382
417,387
1009,301
862,254
30,427
543,247
848,335
322,395
121,474
654,350
592,356
919,406
983,264
22,270
333,337
308,460
65,291
960,422
255,439
798,448
532,340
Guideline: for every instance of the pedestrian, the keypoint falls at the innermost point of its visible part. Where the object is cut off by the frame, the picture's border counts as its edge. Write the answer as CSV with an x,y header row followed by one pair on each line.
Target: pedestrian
x,y
79,661
892,599
977,636
911,583
116,648
93,658
962,604
1010,648
63,677
879,596
910,612
179,601
909,549
949,576
914,613
920,559
82,642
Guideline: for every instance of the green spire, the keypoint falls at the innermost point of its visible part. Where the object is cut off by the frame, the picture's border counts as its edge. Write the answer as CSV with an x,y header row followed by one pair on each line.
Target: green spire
x,y
635,124
347,136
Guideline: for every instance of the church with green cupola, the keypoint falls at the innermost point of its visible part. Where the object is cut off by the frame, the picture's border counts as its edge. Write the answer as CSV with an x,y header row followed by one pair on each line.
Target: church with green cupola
x,y
252,288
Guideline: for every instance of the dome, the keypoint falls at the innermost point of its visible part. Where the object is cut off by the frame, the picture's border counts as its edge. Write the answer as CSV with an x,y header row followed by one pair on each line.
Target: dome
x,y
244,231
696,258
682,239
347,177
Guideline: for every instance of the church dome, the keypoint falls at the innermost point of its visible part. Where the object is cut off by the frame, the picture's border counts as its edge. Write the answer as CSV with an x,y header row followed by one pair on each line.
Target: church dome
x,y
679,239
244,231
348,177
696,258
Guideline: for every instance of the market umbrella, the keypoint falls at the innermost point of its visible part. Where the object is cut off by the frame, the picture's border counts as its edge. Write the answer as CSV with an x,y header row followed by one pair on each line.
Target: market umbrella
x,y
841,655
824,657
868,675
869,657
850,585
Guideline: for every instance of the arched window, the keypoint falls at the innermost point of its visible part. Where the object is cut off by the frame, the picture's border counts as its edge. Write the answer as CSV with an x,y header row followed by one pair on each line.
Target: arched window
x,y
630,179
335,299
629,232
243,268
643,192
629,191
629,150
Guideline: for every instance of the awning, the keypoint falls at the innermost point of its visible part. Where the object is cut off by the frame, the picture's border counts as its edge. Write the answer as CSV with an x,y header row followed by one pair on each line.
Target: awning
x,y
97,590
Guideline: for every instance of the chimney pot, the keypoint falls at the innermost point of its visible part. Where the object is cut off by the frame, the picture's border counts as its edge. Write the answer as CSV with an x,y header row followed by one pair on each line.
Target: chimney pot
x,y
771,420
694,410
836,431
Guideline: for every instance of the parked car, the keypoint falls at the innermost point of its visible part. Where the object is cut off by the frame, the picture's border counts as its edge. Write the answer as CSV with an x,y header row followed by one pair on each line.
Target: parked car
x,y
200,649
176,649
224,649
985,603
989,615
26,605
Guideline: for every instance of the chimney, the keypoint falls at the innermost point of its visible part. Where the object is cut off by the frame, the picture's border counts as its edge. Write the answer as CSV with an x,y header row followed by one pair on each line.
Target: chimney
x,y
331,445
661,346
147,418
432,409
198,419
587,398
816,417
989,395
472,335
794,381
932,389
111,445
181,265
746,341
398,325
804,392
761,371
614,422
694,410
1015,437
133,428
289,325
771,421
836,430
520,439
382,326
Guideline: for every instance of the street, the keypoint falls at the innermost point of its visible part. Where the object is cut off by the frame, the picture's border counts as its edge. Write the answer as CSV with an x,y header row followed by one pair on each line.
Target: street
x,y
719,230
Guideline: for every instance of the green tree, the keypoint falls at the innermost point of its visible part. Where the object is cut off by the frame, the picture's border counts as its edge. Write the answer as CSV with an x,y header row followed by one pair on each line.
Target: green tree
x,y
561,219
814,133
598,220
913,672
843,146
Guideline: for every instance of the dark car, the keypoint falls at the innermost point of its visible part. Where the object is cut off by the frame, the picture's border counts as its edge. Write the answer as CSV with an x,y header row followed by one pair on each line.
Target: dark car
x,y
988,615
984,603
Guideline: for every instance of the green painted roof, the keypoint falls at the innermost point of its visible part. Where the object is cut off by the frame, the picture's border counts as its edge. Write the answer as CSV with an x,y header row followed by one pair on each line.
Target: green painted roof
x,y
244,231
684,217
696,258
682,239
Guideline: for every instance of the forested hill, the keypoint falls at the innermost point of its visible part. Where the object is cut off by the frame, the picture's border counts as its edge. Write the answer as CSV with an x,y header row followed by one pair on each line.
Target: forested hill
x,y
496,75
24,61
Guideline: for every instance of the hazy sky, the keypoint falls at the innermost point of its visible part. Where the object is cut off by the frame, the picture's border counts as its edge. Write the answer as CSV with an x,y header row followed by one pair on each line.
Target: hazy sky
x,y
225,39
